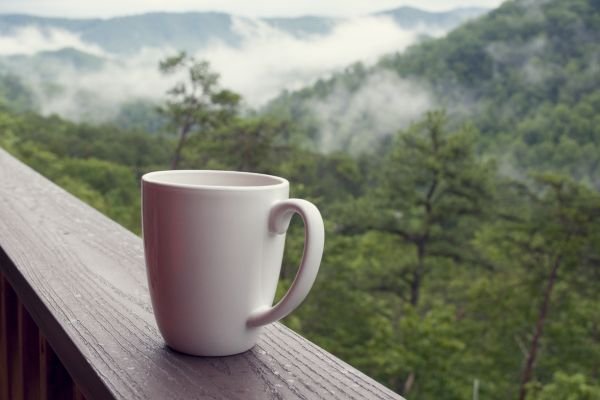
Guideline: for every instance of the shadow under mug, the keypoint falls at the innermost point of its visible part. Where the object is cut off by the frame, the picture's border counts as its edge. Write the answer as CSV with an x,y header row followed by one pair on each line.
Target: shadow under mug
x,y
214,242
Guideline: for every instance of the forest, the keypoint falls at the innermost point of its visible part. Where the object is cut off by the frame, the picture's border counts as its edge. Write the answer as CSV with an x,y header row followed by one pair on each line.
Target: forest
x,y
462,251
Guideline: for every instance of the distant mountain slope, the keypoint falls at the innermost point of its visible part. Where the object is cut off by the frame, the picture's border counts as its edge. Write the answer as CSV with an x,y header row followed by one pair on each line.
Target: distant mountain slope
x,y
131,33
67,57
411,17
11,22
526,74
303,26
193,30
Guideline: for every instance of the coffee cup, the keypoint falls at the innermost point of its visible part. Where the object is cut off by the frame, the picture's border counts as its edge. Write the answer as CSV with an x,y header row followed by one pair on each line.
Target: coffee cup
x,y
213,243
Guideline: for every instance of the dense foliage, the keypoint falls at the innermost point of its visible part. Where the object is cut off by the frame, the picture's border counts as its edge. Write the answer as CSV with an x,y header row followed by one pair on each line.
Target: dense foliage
x,y
442,273
526,75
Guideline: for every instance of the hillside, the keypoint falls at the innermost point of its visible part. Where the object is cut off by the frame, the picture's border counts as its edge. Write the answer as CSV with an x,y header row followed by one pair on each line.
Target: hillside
x,y
525,74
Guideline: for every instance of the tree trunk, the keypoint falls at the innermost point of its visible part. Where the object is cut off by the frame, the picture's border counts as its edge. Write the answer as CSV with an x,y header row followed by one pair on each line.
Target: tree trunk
x,y
408,384
182,137
539,329
415,285
177,155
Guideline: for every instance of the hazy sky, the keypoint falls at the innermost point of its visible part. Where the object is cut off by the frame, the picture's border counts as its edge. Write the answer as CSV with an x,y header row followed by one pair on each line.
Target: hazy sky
x,y
108,8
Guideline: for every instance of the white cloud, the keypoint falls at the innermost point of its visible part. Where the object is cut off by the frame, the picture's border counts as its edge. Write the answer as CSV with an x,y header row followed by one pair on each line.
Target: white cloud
x,y
97,95
30,40
356,121
270,60
524,57
267,61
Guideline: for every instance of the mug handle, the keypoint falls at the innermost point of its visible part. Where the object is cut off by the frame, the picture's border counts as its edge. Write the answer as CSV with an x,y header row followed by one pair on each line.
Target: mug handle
x,y
314,240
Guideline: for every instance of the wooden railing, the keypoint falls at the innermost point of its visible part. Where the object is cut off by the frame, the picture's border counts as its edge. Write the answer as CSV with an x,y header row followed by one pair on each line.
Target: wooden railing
x,y
76,320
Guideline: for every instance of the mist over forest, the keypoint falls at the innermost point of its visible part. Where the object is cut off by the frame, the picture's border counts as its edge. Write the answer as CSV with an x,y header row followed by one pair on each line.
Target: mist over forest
x,y
89,73
455,158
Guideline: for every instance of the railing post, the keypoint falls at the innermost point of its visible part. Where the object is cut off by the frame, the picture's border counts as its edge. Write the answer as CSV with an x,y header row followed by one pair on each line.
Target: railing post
x,y
29,368
13,366
4,382
55,381
28,355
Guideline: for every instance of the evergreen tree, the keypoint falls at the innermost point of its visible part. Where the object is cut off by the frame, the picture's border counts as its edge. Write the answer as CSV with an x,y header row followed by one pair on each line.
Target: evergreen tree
x,y
196,103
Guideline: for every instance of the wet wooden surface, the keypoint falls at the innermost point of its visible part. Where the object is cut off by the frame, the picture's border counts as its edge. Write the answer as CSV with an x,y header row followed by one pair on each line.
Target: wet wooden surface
x,y
81,277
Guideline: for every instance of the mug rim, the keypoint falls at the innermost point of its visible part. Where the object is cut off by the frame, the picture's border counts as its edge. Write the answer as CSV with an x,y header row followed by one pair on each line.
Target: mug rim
x,y
153,179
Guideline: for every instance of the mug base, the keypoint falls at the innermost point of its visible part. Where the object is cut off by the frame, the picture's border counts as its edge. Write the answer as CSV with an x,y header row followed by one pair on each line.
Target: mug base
x,y
209,352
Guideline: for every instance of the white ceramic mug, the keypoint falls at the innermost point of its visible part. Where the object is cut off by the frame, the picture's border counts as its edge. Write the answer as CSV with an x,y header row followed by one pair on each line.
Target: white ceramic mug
x,y
214,244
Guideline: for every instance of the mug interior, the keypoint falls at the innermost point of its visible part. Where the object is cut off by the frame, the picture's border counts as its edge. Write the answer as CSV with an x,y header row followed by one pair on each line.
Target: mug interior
x,y
215,179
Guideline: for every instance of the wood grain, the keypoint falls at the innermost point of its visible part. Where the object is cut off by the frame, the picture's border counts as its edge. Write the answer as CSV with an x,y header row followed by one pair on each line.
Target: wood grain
x,y
82,278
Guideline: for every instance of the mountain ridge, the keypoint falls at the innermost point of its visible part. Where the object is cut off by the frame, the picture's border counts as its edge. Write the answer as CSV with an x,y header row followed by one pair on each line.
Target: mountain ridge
x,y
192,30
